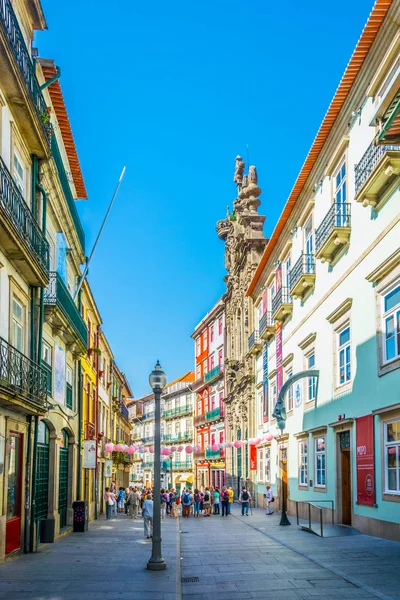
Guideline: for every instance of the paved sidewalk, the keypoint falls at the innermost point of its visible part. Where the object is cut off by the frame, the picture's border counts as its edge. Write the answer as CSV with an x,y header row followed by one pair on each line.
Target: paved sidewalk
x,y
240,558
106,563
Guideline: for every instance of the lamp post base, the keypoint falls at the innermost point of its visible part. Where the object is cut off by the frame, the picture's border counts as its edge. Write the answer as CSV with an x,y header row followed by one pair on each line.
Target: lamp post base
x,y
284,520
157,564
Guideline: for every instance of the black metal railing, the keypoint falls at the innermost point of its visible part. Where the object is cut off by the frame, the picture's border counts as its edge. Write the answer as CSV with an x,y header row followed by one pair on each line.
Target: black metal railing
x,y
304,265
20,375
10,24
124,411
282,296
15,207
312,506
55,151
56,294
266,321
367,164
339,215
254,339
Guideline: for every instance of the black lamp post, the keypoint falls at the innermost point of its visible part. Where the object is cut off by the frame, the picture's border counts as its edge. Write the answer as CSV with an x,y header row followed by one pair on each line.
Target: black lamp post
x,y
157,382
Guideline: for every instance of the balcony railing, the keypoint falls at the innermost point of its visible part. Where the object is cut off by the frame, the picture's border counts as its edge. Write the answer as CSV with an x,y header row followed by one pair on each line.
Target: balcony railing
x,y
200,420
149,415
16,40
364,169
266,326
254,341
176,464
334,231
57,294
67,191
124,411
302,275
15,207
176,437
179,410
282,304
213,374
216,454
148,439
214,414
19,375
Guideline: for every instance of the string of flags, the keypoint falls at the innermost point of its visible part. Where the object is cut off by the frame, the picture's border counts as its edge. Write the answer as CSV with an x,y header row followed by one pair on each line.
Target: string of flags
x,y
167,450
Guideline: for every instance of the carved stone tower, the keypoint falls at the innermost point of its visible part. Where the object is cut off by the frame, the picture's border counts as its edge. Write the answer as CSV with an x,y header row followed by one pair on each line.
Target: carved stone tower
x,y
242,232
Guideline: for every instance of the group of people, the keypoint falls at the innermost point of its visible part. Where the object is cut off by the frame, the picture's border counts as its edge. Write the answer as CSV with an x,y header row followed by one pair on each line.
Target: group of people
x,y
123,500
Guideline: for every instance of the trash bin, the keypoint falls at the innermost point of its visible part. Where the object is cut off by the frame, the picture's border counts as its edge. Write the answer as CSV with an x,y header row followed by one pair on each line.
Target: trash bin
x,y
81,516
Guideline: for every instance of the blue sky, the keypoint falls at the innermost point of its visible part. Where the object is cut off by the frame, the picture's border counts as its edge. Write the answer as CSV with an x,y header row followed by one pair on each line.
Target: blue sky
x,y
175,91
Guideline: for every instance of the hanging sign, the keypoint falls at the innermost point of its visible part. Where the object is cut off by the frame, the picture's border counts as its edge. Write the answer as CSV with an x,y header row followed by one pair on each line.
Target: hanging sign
x,y
89,454
365,466
253,458
108,468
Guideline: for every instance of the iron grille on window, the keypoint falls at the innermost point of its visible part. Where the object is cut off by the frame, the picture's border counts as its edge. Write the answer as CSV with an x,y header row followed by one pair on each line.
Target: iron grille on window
x,y
21,375
254,338
305,264
266,321
282,296
339,215
367,164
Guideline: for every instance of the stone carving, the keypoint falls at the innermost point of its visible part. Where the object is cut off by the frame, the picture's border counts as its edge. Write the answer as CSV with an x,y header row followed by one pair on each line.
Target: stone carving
x,y
239,168
253,175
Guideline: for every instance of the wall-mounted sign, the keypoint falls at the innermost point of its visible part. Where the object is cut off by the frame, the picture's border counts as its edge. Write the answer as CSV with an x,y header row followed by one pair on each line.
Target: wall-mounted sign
x,y
297,395
365,463
108,468
89,454
253,458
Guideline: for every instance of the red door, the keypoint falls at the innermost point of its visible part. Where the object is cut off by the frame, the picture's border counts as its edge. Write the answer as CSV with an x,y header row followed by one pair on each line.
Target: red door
x,y
14,492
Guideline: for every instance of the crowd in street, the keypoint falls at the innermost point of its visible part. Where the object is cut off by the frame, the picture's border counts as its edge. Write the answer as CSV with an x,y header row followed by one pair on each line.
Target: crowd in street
x,y
138,503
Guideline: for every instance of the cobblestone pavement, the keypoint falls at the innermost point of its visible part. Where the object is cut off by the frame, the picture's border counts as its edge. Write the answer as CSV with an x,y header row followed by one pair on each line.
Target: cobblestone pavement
x,y
234,558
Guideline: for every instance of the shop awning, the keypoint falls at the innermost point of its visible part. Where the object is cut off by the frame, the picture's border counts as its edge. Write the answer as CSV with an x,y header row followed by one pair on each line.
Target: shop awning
x,y
186,477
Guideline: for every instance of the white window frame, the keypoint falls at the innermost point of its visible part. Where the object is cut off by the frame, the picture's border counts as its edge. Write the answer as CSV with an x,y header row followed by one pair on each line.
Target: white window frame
x,y
319,453
68,375
395,314
396,445
311,381
267,464
343,349
19,322
19,182
261,469
303,463
47,354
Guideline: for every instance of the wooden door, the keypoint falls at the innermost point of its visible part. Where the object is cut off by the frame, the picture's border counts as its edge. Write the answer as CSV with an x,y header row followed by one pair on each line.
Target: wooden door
x,y
284,475
346,486
14,492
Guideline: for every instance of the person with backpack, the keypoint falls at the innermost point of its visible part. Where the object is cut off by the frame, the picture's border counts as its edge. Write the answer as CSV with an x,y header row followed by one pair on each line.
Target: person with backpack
x,y
121,500
207,502
245,499
186,503
196,503
216,504
225,502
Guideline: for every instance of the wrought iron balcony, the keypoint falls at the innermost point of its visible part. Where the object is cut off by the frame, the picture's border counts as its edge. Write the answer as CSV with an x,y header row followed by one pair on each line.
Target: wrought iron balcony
x,y
55,150
375,173
176,465
148,439
199,420
20,233
22,381
62,311
302,275
147,416
255,342
124,411
213,455
266,327
177,437
213,374
20,82
200,455
179,410
213,415
333,235
282,304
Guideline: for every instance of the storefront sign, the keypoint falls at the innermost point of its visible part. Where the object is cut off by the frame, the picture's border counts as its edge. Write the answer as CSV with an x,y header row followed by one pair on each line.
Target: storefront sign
x,y
108,468
365,460
89,454
253,458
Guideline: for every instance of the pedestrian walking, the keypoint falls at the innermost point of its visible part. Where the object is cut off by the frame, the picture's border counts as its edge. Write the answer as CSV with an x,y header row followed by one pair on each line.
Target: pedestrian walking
x,y
244,499
196,503
231,497
121,500
163,502
114,506
108,499
173,497
270,499
148,516
225,502
186,503
207,502
217,499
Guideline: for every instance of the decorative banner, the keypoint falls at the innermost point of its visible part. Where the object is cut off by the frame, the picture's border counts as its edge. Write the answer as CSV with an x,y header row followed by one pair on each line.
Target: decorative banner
x,y
279,367
278,278
89,454
108,468
253,458
365,460
265,382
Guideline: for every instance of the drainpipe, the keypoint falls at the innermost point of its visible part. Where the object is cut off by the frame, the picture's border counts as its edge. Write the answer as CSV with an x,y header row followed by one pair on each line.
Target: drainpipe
x,y
52,80
34,183
27,530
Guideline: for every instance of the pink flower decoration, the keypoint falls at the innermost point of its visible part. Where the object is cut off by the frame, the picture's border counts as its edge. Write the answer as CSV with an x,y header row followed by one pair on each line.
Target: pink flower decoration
x,y
180,448
237,444
119,448
131,450
189,449
109,447
215,447
269,437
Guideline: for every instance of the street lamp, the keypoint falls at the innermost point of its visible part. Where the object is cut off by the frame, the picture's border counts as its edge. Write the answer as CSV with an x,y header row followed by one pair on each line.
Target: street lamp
x,y
280,415
157,382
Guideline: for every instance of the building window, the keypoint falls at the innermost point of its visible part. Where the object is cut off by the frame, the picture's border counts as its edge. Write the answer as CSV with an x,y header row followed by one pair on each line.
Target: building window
x,y
212,359
261,469
220,326
392,457
211,333
205,340
18,325
340,195
212,402
309,245
286,272
69,388
47,366
273,397
205,367
198,372
197,346
19,173
391,324
312,382
344,359
320,462
303,463
268,465
220,357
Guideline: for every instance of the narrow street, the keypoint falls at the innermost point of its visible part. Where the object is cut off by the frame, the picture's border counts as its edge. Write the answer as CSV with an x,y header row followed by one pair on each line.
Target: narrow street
x,y
229,558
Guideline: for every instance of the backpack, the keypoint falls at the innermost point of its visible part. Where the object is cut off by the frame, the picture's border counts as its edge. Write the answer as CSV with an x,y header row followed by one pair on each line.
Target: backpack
x,y
245,496
178,500
206,497
226,496
186,498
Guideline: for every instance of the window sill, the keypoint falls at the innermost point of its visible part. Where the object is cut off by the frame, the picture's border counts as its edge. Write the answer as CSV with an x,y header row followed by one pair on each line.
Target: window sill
x,y
289,413
320,489
389,367
303,488
391,496
309,405
345,388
